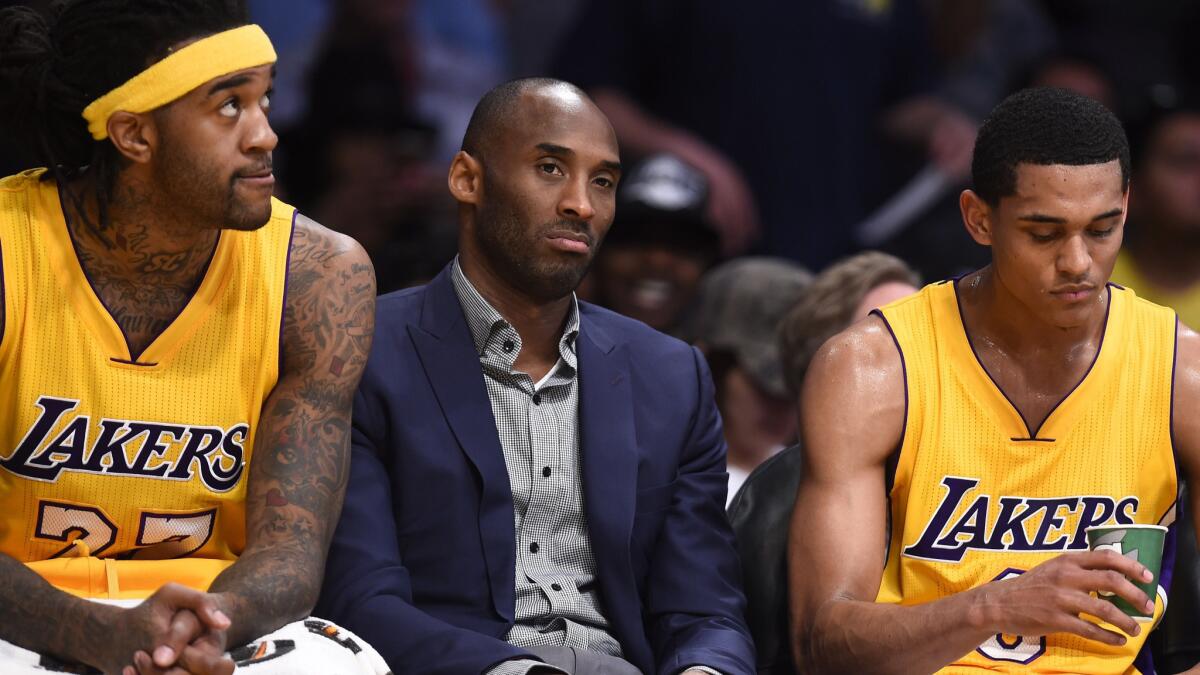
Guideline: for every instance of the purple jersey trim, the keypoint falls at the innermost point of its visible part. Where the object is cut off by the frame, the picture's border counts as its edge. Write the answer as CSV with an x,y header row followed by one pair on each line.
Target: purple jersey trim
x,y
1033,434
1144,661
3,298
1171,407
894,459
287,266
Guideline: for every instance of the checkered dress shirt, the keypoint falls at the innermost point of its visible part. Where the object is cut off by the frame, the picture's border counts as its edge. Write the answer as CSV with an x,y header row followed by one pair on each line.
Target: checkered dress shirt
x,y
558,600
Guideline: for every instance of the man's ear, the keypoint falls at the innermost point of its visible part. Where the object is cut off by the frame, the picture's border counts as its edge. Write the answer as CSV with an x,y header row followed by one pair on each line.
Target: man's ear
x,y
977,216
134,135
466,178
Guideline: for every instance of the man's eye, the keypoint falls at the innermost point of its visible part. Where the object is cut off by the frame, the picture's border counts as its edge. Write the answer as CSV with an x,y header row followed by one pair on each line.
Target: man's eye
x,y
265,102
229,108
550,168
1042,238
1103,233
604,182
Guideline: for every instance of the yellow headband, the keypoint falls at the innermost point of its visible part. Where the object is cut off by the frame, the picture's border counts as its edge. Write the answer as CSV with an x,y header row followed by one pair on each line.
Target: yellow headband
x,y
181,72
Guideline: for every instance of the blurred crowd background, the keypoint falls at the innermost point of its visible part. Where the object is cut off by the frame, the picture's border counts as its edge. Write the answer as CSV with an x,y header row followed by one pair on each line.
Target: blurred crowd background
x,y
769,143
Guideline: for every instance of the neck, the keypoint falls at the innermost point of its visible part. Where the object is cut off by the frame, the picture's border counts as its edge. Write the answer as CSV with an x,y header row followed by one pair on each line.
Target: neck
x,y
142,242
539,322
1168,261
991,312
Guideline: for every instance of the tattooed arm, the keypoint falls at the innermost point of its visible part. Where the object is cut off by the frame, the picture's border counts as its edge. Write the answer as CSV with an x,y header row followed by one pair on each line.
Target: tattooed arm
x,y
301,453
43,619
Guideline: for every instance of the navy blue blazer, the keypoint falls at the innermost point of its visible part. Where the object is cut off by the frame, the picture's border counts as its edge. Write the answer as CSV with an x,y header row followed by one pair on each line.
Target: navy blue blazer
x,y
422,563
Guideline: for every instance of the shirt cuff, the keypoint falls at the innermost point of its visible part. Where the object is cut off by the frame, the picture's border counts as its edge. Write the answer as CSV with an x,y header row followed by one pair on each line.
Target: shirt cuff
x,y
525,666
706,669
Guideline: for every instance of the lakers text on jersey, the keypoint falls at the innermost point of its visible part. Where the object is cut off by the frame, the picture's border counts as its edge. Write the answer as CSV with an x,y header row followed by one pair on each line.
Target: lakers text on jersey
x,y
121,471
979,495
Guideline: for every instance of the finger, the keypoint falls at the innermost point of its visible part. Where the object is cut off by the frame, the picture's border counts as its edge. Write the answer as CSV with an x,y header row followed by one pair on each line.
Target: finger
x,y
200,659
203,604
145,665
1097,560
1111,581
1108,612
185,627
1091,631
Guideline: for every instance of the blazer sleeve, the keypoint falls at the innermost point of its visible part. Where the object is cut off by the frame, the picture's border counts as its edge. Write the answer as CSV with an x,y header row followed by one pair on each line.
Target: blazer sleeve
x,y
366,587
694,601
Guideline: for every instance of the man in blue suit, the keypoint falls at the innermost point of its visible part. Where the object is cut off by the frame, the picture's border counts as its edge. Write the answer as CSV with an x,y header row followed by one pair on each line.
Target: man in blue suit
x,y
537,485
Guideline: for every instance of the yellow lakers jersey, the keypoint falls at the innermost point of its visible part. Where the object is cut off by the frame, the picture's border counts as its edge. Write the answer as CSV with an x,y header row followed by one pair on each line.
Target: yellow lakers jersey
x,y
111,463
980,496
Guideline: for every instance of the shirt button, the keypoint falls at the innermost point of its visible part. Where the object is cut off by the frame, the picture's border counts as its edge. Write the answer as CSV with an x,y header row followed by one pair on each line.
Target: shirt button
x,y
546,472
533,548
509,345
537,399
556,587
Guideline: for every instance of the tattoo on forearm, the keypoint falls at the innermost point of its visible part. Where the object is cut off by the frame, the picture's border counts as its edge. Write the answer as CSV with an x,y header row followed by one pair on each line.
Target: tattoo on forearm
x,y
41,618
300,465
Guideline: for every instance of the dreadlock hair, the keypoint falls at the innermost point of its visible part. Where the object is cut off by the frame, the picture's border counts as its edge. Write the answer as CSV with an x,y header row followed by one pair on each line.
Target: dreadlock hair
x,y
53,66
1044,126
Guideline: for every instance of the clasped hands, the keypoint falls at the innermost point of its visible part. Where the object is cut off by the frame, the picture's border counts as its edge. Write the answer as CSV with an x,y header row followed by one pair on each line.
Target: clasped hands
x,y
176,631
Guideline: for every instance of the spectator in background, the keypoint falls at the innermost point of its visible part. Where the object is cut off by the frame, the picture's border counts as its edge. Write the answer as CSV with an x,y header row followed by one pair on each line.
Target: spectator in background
x,y
840,295
982,47
739,308
733,87
1144,47
659,246
1078,72
462,51
374,33
366,166
1160,259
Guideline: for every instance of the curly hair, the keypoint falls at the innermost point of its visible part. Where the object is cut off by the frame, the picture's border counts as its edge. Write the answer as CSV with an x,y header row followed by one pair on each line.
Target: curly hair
x,y
1044,126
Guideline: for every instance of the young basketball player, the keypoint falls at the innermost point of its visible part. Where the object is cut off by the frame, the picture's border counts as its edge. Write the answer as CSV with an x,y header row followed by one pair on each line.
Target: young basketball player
x,y
178,354
960,441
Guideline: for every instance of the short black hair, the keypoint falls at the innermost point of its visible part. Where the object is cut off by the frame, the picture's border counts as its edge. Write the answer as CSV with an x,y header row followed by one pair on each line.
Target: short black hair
x,y
497,106
54,65
1043,126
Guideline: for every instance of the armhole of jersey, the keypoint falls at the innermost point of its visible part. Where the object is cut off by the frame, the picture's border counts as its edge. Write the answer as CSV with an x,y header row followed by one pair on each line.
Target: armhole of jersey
x,y
6,312
287,273
1171,405
893,461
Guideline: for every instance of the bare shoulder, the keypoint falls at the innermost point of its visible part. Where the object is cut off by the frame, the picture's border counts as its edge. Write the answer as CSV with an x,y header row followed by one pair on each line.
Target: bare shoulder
x,y
1186,396
318,251
866,351
330,298
854,399
1187,367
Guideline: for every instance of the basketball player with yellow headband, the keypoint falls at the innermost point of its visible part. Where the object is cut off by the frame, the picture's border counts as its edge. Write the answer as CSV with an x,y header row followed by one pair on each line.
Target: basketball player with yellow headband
x,y
178,354
961,441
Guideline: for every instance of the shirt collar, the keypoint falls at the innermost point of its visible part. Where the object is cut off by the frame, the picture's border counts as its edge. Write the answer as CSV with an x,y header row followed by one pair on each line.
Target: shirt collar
x,y
483,320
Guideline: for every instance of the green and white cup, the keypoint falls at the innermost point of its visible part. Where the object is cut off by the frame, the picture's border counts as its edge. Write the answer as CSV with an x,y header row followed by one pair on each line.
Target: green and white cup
x,y
1143,543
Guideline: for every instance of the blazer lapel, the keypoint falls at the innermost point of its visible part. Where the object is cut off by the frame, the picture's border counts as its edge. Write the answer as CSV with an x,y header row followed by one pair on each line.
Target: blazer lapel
x,y
608,447
447,353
